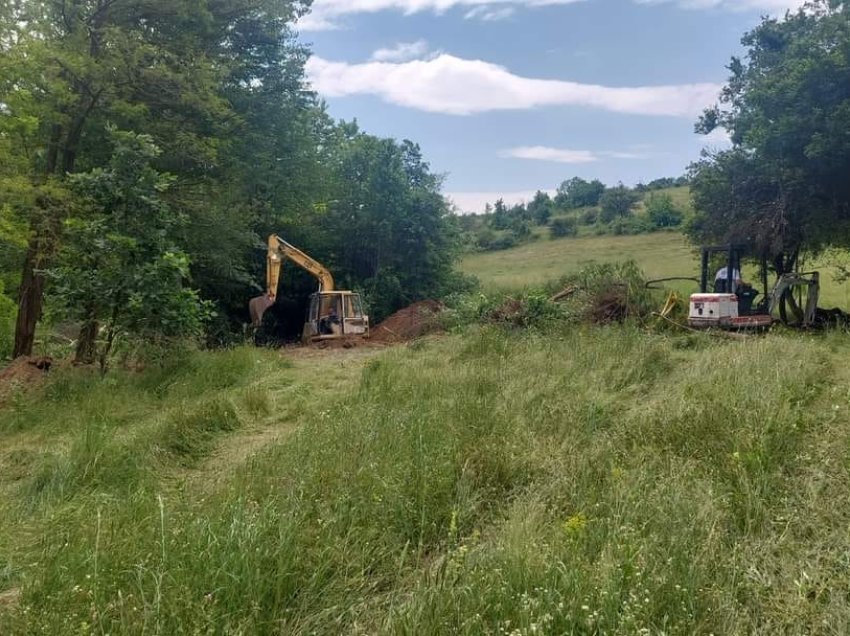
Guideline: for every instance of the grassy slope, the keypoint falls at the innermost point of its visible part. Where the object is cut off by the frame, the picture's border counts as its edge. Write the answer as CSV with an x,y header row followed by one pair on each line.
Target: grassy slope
x,y
598,481
660,255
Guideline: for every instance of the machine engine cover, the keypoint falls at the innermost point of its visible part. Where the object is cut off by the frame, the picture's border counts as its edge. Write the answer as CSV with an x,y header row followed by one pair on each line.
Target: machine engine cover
x,y
713,310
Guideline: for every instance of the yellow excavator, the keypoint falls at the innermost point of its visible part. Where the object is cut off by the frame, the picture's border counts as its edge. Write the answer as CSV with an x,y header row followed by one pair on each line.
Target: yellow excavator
x,y
332,315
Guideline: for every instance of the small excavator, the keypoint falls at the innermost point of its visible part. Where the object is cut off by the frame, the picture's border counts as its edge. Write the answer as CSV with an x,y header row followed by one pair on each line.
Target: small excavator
x,y
332,314
731,304
724,301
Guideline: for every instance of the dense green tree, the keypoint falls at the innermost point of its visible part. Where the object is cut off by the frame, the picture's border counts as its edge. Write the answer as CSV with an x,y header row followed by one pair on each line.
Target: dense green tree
x,y
120,265
388,230
500,220
578,193
783,187
182,71
540,208
617,202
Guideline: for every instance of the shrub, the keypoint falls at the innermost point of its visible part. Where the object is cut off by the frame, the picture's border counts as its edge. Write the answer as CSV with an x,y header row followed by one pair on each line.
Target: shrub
x,y
589,216
563,226
662,211
629,225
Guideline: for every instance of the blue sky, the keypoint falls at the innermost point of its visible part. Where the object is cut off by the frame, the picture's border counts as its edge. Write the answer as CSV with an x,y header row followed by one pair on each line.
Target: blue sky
x,y
510,96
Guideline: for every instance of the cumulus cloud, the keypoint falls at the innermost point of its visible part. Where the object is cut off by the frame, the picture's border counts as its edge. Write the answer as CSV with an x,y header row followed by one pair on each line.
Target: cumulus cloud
x,y
326,13
564,155
401,52
451,85
475,202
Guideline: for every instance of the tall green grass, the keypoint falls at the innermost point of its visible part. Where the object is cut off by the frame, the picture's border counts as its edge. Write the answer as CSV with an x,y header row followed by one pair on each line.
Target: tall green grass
x,y
586,482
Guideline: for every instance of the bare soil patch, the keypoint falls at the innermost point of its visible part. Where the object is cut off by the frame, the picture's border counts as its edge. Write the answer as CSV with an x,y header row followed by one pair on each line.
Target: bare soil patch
x,y
23,374
409,323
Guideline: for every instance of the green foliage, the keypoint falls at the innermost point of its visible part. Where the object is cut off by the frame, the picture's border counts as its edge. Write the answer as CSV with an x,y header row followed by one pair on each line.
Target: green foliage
x,y
662,212
783,186
7,321
617,202
249,150
578,193
540,208
589,216
629,225
389,230
563,226
120,265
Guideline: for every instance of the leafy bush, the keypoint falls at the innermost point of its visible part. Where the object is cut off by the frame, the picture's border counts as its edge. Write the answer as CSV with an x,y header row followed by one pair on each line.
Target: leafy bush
x,y
662,211
563,226
493,242
589,216
629,225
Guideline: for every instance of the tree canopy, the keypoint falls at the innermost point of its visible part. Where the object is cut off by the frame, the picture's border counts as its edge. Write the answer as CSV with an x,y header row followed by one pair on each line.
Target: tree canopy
x,y
783,186
219,90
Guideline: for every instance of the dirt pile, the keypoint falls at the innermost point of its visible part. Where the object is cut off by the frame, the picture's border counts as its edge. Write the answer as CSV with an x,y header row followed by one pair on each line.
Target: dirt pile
x,y
23,374
410,323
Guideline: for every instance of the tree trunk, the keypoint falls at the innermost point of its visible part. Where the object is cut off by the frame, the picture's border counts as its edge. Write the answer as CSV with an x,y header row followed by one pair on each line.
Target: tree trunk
x,y
86,344
30,299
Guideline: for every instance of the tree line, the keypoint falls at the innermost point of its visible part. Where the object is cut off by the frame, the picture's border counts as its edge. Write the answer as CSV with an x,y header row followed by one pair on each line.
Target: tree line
x,y
577,202
148,146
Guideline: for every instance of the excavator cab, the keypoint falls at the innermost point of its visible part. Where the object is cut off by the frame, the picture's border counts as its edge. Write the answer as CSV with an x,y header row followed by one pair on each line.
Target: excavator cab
x,y
334,315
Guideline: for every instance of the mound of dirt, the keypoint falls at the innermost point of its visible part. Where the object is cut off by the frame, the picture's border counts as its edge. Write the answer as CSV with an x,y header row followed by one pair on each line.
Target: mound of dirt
x,y
23,374
410,323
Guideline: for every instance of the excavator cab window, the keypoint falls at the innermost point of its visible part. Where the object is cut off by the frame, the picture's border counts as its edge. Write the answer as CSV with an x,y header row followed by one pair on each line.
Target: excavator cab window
x,y
353,306
329,313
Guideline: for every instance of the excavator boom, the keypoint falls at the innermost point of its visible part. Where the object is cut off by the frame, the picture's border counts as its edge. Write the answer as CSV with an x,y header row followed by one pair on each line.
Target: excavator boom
x,y
279,251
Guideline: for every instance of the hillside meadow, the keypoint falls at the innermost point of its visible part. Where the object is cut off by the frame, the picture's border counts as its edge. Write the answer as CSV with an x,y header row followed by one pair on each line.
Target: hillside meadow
x,y
569,481
659,255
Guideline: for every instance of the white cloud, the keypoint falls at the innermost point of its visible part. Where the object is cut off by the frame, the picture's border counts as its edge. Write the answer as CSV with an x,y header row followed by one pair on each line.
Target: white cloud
x,y
775,7
456,86
401,52
563,155
543,153
325,13
489,14
472,202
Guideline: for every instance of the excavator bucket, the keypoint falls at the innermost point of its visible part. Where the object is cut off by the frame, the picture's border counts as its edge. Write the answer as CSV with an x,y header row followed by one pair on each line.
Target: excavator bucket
x,y
257,307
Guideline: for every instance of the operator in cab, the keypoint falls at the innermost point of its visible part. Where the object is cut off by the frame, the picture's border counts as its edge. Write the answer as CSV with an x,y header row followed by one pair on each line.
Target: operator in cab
x,y
721,281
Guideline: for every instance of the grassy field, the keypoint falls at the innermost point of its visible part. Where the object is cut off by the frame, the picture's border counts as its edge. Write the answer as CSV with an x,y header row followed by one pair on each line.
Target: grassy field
x,y
659,255
592,481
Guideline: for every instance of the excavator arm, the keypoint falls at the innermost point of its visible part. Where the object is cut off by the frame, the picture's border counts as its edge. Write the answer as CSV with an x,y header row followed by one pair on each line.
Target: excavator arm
x,y
278,252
